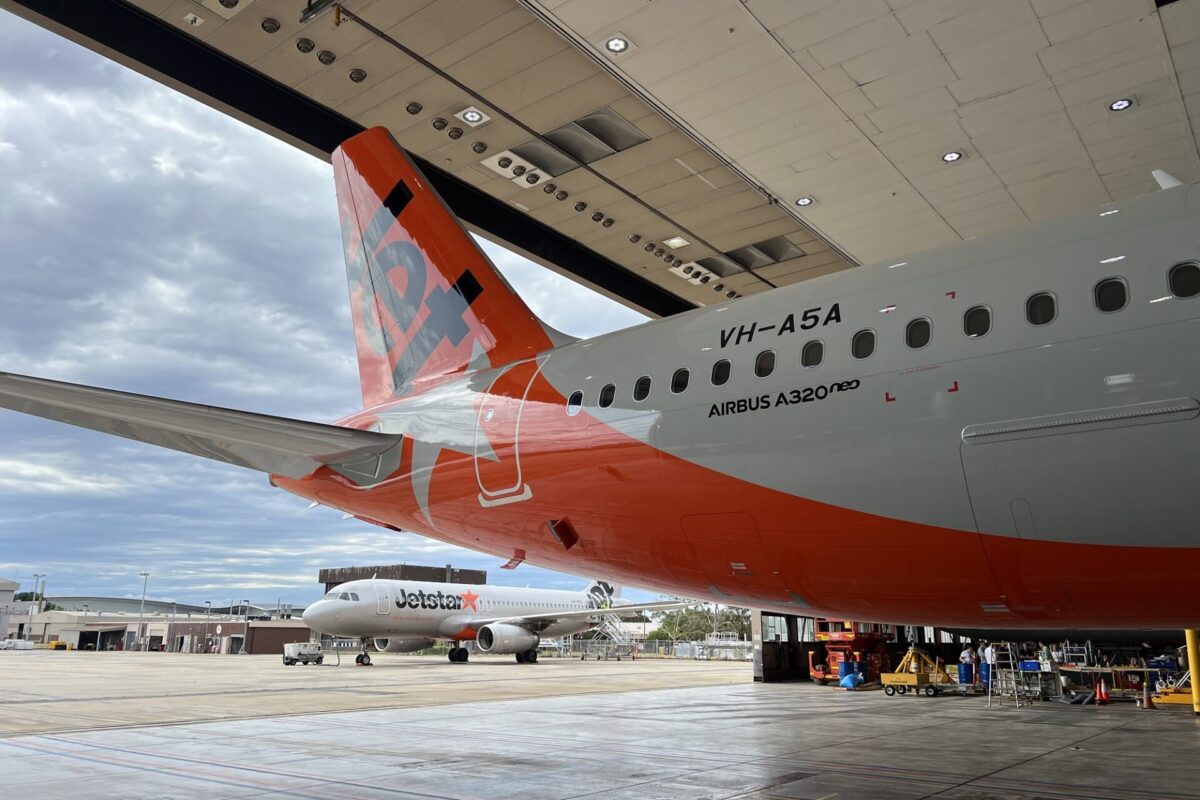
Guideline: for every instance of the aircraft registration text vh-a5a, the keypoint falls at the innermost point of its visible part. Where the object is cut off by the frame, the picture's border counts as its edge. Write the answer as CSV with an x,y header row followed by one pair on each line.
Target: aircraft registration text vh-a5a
x,y
405,616
1001,433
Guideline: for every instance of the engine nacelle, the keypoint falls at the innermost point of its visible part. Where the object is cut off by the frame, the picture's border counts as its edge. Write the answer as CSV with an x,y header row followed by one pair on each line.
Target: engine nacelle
x,y
402,645
503,639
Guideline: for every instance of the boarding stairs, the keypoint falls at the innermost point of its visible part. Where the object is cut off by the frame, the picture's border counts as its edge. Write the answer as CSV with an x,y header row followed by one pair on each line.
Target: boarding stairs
x,y
612,640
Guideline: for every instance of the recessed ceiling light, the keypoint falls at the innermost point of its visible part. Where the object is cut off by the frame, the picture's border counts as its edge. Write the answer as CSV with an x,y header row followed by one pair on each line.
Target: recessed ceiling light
x,y
952,156
1120,105
616,45
1112,260
804,201
358,75
304,45
269,25
472,116
675,242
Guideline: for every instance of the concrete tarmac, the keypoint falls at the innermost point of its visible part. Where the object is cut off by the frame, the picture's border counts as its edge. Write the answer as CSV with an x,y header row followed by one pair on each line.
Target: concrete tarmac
x,y
129,725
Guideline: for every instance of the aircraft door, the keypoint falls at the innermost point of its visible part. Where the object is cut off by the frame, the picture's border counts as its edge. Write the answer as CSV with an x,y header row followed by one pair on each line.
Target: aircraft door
x,y
498,433
383,599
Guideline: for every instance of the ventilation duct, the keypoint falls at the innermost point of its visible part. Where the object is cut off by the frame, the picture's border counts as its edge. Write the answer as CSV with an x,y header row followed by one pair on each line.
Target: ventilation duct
x,y
765,253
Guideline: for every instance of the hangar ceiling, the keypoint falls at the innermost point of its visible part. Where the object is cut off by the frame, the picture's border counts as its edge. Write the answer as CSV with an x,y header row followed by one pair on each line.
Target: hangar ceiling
x,y
688,149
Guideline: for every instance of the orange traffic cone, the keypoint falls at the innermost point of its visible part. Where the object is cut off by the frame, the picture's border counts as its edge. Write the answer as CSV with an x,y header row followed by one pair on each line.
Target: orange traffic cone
x,y
1102,698
1147,701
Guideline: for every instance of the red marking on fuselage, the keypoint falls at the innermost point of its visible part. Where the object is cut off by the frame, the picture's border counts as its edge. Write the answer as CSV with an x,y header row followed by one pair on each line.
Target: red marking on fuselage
x,y
888,398
469,598
467,634
953,388
952,295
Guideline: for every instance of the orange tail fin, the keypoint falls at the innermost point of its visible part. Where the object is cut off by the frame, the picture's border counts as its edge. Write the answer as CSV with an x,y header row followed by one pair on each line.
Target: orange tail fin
x,y
426,301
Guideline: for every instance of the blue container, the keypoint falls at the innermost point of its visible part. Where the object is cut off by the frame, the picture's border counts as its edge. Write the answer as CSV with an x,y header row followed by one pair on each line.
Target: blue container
x,y
1031,666
966,674
852,668
985,673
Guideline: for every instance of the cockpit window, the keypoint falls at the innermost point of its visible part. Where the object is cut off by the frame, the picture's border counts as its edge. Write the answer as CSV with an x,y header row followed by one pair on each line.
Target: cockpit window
x,y
344,596
354,596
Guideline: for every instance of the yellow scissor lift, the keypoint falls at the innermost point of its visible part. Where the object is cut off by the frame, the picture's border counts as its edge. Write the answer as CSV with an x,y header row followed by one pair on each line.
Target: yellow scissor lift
x,y
916,672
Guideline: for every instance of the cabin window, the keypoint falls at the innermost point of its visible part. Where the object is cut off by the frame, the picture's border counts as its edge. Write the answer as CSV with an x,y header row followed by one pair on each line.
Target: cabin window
x,y
1111,295
720,372
607,394
863,344
641,389
574,403
764,365
679,381
812,354
916,335
1185,279
1040,309
977,321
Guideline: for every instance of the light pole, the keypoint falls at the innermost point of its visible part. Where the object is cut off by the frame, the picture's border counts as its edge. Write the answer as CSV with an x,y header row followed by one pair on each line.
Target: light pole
x,y
245,611
207,616
141,610
37,579
85,610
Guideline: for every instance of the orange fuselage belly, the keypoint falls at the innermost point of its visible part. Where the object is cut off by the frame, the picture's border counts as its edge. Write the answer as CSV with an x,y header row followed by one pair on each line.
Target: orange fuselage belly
x,y
652,519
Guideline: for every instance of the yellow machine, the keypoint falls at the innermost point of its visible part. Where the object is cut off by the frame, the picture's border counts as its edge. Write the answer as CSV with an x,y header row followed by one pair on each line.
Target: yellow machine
x,y
916,670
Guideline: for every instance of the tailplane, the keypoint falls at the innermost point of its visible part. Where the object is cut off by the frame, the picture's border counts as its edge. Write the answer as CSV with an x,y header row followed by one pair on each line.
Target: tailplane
x,y
426,300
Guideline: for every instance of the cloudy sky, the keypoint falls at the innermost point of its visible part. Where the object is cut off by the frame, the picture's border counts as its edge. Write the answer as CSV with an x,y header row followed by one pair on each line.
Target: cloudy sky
x,y
151,244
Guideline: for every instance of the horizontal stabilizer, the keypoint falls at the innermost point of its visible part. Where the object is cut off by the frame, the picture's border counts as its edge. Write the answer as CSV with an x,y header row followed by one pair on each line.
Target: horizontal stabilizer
x,y
288,447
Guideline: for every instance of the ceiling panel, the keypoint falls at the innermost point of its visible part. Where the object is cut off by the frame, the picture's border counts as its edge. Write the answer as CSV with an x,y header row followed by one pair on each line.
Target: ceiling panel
x,y
749,104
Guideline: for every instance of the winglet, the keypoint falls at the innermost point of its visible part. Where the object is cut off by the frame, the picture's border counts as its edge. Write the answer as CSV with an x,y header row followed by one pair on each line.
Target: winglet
x,y
1165,179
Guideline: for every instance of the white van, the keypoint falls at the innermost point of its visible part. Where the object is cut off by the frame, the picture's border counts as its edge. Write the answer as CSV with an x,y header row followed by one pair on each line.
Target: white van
x,y
302,653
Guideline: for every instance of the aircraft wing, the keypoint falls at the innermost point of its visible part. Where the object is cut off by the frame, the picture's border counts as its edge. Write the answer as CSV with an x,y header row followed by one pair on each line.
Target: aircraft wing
x,y
557,616
288,447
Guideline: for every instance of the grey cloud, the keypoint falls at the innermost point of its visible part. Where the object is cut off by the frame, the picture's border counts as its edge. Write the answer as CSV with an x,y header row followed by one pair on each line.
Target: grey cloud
x,y
151,244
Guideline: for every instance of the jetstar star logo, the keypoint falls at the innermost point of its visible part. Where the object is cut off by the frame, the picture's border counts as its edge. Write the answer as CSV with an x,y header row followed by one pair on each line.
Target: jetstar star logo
x,y
468,600
437,600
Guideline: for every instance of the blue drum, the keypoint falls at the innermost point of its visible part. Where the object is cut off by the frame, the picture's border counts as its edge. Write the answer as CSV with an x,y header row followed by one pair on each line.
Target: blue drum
x,y
985,674
966,674
852,668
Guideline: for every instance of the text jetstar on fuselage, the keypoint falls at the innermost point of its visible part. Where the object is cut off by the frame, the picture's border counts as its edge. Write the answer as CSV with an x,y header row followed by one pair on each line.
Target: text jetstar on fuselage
x,y
436,600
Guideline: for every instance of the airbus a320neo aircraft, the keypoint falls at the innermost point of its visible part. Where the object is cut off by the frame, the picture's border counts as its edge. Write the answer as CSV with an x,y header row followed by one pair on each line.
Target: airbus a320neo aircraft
x,y
1001,433
405,616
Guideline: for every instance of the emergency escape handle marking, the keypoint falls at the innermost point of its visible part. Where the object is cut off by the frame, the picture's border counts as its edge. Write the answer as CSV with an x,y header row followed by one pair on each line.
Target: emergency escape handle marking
x,y
519,490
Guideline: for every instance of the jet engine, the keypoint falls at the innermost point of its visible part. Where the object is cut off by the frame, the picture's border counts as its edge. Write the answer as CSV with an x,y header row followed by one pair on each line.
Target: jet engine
x,y
501,639
402,645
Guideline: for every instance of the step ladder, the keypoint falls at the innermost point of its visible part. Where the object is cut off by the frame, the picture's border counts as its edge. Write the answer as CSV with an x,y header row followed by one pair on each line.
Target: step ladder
x,y
1006,678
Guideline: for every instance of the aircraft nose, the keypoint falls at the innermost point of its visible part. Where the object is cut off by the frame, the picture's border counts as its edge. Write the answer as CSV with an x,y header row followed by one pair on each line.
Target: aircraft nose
x,y
318,616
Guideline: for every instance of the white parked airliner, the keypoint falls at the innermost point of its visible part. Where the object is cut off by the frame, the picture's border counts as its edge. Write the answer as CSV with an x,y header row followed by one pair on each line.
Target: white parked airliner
x,y
405,616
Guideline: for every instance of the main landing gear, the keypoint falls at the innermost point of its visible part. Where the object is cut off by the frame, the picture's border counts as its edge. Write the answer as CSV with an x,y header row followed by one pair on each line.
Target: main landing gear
x,y
527,657
458,655
363,659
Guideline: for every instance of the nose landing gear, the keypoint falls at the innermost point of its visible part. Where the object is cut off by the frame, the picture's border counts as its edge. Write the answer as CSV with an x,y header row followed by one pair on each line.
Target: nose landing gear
x,y
363,659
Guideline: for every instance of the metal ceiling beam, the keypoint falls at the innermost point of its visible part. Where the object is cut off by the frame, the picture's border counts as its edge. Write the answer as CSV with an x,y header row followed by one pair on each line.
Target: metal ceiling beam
x,y
143,42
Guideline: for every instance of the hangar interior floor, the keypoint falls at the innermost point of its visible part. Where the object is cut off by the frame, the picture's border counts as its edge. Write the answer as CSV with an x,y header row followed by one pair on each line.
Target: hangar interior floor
x,y
605,732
